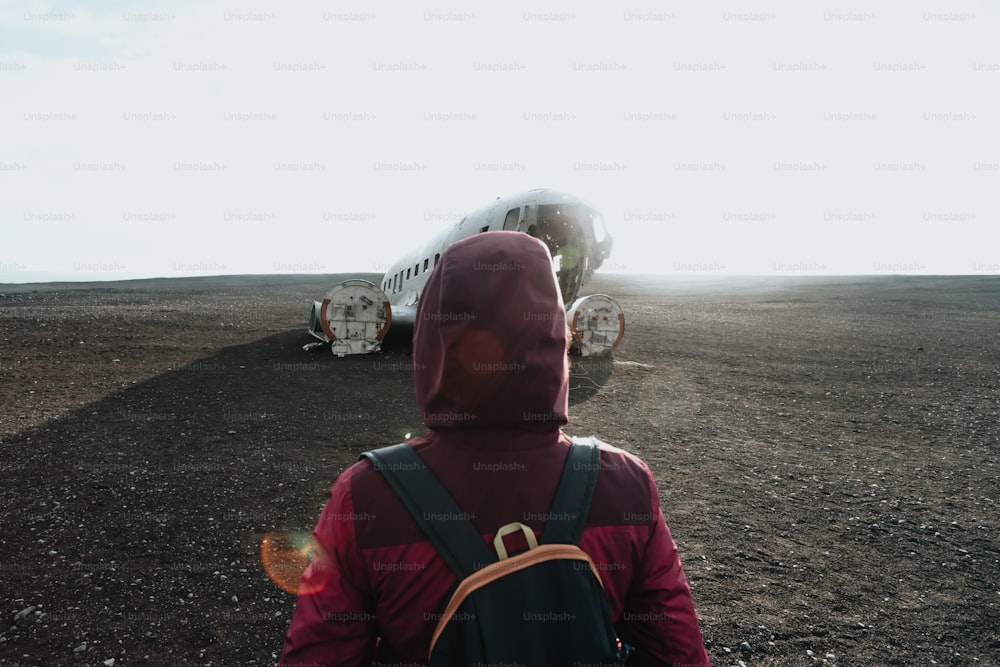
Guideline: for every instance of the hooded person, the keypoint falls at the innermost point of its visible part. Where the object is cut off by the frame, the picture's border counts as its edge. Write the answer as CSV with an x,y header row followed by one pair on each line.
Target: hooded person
x,y
491,379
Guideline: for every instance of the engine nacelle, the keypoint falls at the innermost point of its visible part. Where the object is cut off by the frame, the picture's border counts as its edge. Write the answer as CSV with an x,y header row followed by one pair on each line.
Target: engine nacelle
x,y
597,325
353,318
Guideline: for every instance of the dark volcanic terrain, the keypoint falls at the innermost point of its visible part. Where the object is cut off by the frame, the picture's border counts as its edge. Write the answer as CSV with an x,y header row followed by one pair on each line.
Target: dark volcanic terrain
x,y
826,450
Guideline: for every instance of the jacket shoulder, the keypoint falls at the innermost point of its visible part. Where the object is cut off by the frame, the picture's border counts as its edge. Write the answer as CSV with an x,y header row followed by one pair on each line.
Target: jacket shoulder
x,y
626,492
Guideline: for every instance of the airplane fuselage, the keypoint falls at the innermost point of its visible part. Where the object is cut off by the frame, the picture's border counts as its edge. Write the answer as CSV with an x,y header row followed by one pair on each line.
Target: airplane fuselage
x,y
573,231
355,315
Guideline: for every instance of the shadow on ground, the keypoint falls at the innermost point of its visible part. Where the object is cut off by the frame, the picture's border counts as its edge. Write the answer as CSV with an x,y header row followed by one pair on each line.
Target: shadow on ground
x,y
139,517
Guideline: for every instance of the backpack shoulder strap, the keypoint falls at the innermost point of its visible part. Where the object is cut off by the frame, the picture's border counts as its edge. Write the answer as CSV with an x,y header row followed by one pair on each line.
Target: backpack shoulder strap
x,y
432,507
568,515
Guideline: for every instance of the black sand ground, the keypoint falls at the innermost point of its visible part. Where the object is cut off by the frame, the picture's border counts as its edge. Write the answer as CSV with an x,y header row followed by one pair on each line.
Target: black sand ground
x,y
827,452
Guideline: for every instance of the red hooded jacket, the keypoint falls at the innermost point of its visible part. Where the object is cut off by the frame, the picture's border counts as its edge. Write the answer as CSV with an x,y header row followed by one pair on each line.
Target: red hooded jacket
x,y
491,379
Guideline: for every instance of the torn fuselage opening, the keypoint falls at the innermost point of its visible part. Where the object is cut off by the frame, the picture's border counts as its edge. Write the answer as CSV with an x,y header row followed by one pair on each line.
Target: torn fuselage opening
x,y
561,228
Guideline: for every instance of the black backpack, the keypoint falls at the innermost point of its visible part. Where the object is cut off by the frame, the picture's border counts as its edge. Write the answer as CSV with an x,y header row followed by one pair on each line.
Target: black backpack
x,y
544,607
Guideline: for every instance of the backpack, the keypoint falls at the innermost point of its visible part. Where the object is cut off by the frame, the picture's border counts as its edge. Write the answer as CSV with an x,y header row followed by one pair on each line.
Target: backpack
x,y
543,607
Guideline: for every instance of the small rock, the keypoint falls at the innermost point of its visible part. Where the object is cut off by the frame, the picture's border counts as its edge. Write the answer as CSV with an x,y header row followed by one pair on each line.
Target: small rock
x,y
830,656
26,612
81,648
809,652
746,650
874,528
110,662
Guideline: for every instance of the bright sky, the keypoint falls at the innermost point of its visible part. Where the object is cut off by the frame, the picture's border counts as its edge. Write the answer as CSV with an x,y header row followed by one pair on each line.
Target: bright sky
x,y
181,138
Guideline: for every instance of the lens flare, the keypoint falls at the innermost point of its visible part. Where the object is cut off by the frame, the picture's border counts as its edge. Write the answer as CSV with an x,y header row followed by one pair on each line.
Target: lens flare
x,y
285,555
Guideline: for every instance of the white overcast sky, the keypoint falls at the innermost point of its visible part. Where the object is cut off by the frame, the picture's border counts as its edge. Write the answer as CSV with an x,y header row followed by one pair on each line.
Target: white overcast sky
x,y
180,138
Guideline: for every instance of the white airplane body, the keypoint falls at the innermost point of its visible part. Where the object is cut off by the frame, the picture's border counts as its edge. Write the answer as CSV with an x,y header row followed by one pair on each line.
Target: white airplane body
x,y
355,315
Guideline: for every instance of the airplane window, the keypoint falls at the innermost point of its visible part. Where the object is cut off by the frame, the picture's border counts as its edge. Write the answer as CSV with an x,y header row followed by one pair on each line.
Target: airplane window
x,y
484,229
416,270
426,262
513,217
437,256
407,274
599,230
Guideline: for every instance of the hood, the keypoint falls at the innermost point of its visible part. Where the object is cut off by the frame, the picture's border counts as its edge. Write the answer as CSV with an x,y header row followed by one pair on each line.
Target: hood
x,y
489,343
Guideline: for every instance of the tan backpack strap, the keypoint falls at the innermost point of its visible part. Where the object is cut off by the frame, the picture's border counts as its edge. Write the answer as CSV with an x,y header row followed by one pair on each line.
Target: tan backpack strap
x,y
494,571
498,544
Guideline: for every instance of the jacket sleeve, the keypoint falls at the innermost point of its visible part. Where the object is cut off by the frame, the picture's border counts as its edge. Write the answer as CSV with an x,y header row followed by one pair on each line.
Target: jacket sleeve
x,y
659,619
334,620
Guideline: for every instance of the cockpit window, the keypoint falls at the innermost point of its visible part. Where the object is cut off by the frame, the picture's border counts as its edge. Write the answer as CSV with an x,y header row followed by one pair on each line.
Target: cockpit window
x,y
513,217
599,231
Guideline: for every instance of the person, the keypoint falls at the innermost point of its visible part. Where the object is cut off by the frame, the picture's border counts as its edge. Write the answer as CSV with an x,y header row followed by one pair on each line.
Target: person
x,y
491,379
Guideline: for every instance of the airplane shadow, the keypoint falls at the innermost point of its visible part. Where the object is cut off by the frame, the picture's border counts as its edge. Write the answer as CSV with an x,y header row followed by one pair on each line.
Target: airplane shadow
x,y
154,492
155,499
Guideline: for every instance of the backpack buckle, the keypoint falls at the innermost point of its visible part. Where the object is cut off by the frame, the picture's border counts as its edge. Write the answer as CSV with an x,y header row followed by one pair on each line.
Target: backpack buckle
x,y
498,544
